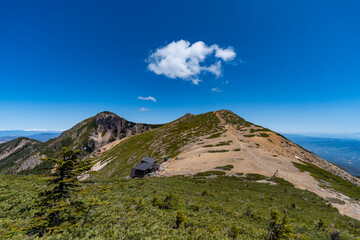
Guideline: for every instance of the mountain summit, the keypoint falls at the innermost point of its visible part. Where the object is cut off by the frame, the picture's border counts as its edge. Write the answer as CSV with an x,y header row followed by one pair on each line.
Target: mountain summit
x,y
88,136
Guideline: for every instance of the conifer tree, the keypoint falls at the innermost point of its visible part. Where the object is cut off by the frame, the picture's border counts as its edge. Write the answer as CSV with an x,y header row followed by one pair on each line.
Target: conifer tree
x,y
61,206
279,228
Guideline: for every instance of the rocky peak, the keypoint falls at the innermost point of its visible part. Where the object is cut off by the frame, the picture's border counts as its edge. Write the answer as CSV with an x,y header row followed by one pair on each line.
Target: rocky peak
x,y
110,127
106,121
224,111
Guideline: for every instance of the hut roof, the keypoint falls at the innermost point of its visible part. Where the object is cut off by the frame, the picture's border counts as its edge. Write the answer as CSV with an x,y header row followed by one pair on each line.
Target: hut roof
x,y
148,160
144,166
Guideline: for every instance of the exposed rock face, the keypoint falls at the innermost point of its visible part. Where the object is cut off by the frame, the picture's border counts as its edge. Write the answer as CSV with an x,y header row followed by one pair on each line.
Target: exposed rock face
x,y
111,127
30,162
16,150
88,136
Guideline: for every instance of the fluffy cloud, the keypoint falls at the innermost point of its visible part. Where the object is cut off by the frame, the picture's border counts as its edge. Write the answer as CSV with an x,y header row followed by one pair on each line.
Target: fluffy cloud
x,y
227,54
186,61
147,98
142,109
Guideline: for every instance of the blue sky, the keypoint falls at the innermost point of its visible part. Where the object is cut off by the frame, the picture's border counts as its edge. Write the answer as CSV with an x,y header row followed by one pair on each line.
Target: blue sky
x,y
296,67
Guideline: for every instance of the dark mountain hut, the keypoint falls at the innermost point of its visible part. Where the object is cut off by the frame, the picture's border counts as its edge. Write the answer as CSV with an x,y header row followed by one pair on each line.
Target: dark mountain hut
x,y
148,165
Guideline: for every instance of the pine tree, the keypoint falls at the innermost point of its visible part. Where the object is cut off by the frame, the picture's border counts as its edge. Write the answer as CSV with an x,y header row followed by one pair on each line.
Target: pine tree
x,y
279,228
61,206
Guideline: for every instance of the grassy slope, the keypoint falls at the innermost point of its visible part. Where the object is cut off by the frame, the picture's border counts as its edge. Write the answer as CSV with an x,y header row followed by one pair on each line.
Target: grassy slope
x,y
213,207
329,180
158,143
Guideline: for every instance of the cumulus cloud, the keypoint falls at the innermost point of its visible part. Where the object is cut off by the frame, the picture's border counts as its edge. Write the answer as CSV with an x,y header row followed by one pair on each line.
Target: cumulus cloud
x,y
216,90
227,54
142,109
181,59
147,98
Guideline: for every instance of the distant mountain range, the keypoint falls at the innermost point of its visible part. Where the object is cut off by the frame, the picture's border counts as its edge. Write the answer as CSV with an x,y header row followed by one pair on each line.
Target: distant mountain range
x,y
25,133
341,149
6,136
352,136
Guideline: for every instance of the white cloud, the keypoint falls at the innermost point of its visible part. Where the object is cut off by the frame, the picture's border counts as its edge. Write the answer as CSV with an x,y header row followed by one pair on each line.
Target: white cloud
x,y
227,54
195,81
186,61
147,98
215,68
216,90
142,109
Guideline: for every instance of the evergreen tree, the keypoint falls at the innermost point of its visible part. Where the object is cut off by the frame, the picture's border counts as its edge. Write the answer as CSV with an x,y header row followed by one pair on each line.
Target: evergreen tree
x,y
280,228
62,206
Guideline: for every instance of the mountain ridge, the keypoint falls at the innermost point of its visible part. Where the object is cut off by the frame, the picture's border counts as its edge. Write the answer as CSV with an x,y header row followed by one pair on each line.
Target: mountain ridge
x,y
205,142
88,135
194,144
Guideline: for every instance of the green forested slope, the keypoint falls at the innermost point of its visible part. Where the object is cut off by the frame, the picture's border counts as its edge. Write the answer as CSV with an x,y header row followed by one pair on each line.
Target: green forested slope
x,y
217,208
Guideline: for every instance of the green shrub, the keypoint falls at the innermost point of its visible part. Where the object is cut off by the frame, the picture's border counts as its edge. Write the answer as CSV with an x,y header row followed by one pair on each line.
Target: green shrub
x,y
249,135
223,143
280,228
209,173
320,224
215,135
208,145
169,202
254,177
194,207
226,167
335,235
234,231
181,219
217,151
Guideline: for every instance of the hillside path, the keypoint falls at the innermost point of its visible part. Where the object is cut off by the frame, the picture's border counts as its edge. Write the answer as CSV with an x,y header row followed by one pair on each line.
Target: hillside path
x,y
230,131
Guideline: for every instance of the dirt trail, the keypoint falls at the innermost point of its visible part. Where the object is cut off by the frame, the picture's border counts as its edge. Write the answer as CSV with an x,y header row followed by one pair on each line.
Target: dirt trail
x,y
251,158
